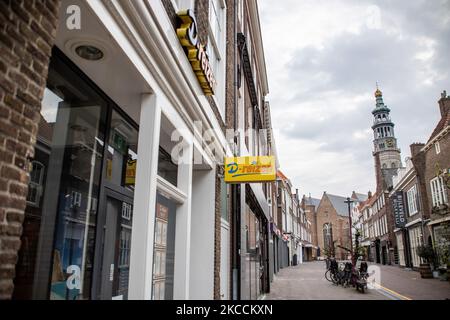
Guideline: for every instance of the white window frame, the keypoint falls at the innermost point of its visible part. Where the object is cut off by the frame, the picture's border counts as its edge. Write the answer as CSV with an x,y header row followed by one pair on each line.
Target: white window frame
x,y
36,185
437,147
412,200
216,49
75,199
126,211
438,191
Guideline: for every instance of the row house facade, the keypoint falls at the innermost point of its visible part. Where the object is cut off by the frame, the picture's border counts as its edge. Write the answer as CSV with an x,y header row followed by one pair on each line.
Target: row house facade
x,y
436,181
423,189
114,119
410,232
410,206
302,232
374,229
309,206
295,241
284,222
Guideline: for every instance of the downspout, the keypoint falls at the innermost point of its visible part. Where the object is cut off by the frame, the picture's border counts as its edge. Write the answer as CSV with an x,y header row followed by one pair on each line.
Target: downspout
x,y
236,261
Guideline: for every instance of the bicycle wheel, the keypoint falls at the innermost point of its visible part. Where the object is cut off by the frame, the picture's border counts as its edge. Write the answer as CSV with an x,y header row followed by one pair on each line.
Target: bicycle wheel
x,y
328,275
335,278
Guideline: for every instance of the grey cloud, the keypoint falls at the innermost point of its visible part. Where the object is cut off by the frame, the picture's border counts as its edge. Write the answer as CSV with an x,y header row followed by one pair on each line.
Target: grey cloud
x,y
349,64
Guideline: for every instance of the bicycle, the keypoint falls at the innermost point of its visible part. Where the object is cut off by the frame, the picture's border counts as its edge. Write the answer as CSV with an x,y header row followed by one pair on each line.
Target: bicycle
x,y
344,276
332,269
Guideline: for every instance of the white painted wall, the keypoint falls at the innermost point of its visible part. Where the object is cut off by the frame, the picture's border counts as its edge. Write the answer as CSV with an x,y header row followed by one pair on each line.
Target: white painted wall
x,y
202,236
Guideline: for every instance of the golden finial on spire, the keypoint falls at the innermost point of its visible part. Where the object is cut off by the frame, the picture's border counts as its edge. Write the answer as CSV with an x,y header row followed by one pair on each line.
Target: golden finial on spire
x,y
378,93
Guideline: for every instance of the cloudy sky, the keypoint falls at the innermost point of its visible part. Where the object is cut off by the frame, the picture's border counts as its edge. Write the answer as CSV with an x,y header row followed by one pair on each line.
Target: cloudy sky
x,y
324,58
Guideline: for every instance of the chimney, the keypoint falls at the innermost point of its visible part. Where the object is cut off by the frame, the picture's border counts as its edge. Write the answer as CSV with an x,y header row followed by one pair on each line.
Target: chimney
x,y
444,103
296,192
369,194
415,148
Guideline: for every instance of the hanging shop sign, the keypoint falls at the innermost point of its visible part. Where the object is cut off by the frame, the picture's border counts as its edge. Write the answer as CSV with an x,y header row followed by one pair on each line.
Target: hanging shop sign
x,y
398,205
275,230
130,173
195,51
250,169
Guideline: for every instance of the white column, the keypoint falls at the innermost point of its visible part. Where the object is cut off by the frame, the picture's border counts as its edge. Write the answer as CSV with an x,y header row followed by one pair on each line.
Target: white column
x,y
300,255
183,226
202,235
141,260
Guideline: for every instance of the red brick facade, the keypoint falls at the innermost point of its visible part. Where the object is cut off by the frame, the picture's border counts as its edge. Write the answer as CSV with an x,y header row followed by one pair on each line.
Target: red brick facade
x,y
437,161
326,213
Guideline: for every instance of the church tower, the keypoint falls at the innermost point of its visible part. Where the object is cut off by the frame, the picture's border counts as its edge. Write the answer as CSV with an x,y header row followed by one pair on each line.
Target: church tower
x,y
386,152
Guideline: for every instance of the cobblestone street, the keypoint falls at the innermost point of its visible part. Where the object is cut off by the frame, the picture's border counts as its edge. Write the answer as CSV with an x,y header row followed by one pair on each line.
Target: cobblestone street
x,y
307,282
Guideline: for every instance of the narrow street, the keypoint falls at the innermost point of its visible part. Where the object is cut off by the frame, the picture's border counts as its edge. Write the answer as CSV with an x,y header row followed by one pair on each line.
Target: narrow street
x,y
307,282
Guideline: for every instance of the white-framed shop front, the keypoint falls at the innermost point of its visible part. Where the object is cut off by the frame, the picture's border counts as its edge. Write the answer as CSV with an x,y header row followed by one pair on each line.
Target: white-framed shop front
x,y
142,85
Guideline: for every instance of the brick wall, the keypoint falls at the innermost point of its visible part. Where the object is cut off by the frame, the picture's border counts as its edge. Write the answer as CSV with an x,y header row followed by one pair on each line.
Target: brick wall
x,y
312,217
327,214
27,32
433,160
418,160
230,67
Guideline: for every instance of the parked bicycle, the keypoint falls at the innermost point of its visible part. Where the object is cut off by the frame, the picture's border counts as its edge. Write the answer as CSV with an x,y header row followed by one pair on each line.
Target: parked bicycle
x,y
347,274
332,269
343,276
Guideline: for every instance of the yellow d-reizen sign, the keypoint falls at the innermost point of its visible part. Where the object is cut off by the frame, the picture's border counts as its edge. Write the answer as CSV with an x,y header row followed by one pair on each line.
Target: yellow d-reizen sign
x,y
250,169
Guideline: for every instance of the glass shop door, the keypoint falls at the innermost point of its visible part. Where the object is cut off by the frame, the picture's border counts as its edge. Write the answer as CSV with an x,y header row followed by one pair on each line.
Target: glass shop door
x,y
115,249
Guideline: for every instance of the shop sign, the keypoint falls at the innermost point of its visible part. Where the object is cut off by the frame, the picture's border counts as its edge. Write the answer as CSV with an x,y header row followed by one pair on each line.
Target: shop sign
x,y
188,35
130,172
250,169
399,209
275,230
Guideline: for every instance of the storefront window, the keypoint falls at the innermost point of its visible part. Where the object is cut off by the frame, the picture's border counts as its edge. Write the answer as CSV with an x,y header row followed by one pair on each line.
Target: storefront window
x,y
64,184
415,239
251,262
167,169
122,152
77,228
164,248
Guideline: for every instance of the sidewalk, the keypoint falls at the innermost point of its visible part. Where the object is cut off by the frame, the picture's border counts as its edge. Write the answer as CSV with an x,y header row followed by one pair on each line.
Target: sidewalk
x,y
409,283
307,282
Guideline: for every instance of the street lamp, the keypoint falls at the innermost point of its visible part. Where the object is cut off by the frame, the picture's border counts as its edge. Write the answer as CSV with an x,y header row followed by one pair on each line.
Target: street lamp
x,y
348,202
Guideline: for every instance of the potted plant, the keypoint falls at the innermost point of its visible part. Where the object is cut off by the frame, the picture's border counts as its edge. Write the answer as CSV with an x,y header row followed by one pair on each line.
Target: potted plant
x,y
443,251
425,252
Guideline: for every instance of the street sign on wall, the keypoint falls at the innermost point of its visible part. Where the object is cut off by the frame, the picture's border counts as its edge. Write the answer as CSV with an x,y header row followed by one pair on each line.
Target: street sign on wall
x,y
398,205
